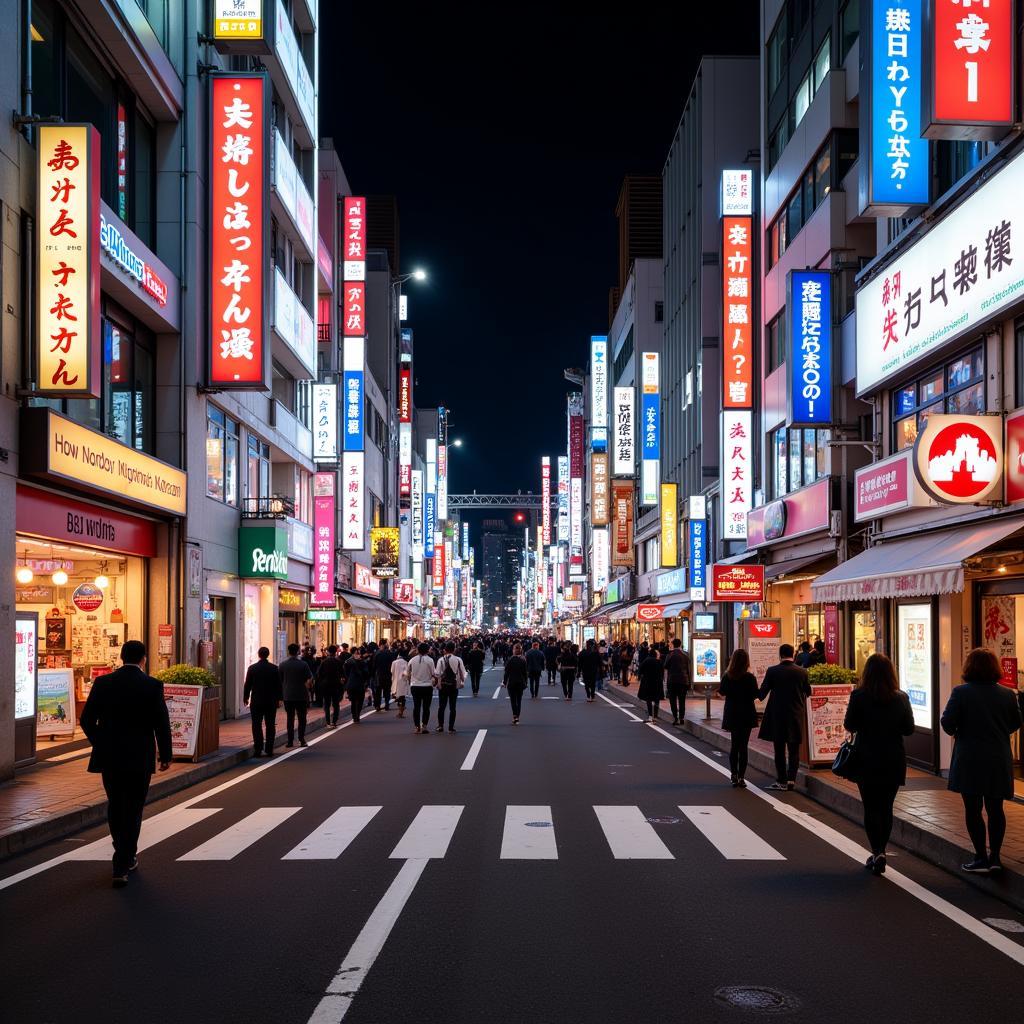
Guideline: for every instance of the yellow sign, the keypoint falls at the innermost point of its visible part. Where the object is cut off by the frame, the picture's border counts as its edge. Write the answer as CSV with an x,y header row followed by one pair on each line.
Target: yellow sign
x,y
67,261
669,526
291,600
238,19
82,456
384,549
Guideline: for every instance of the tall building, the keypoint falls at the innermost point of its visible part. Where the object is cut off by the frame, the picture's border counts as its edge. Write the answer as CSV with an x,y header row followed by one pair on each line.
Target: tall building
x,y
495,577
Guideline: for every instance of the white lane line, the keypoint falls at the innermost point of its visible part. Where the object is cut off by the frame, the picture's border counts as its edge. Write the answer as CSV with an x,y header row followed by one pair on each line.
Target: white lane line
x,y
494,696
364,952
62,858
628,714
330,840
551,698
729,835
856,852
629,835
522,841
154,830
429,834
240,836
474,751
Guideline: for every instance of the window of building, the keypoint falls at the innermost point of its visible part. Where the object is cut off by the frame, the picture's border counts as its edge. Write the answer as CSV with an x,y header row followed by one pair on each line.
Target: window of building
x,y
955,160
303,495
659,312
776,340
956,387
257,468
798,457
776,53
221,456
652,554
127,404
849,26
623,357
802,99
822,63
777,141
688,389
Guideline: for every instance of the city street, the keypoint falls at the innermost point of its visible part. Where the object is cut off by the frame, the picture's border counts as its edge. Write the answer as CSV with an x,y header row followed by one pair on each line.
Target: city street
x,y
581,866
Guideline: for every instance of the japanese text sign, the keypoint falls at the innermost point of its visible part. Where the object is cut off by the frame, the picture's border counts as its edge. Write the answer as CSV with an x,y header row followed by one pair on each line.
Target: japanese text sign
x,y
809,307
353,510
650,428
698,559
68,261
599,489
353,376
353,238
669,526
416,528
737,313
325,422
353,309
737,473
563,499
737,583
737,193
239,235
1014,448
405,395
622,524
323,540
545,495
598,381
623,435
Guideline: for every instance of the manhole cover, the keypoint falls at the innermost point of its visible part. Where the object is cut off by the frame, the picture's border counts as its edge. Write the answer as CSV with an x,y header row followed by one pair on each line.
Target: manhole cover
x,y
664,821
538,824
757,999
1004,924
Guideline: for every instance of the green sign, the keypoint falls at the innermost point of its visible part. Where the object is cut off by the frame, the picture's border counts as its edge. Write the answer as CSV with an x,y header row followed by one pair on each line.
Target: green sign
x,y
323,615
263,553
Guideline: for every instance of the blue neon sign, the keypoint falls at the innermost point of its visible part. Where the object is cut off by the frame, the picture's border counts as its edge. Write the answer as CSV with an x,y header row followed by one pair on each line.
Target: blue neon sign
x,y
698,554
429,514
651,424
809,309
352,382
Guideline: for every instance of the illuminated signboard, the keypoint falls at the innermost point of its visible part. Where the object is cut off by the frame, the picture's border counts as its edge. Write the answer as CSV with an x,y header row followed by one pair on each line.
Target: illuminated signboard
x,y
323,540
959,459
698,547
598,381
416,516
116,246
737,473
623,433
669,526
650,427
599,553
238,20
442,482
67,256
622,555
599,513
325,422
429,523
545,494
563,499
353,309
353,376
737,313
384,549
353,511
405,395
737,199
809,307
737,583
353,238
239,232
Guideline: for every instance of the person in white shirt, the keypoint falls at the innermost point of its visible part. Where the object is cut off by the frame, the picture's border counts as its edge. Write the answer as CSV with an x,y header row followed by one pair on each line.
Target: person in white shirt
x,y
451,677
420,674
400,680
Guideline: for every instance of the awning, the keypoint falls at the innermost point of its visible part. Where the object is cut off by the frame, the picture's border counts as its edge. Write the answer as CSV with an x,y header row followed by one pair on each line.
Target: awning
x,y
409,613
793,565
627,611
363,604
917,566
397,611
602,614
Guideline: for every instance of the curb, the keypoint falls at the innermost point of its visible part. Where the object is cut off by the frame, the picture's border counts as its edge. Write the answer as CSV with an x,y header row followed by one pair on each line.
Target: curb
x,y
33,834
934,847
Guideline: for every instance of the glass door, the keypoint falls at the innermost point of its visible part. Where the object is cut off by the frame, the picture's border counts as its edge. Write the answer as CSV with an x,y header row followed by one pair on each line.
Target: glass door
x,y
218,660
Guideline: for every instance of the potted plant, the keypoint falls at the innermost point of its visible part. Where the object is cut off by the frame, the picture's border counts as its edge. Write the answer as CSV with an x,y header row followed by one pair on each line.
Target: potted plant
x,y
208,738
831,675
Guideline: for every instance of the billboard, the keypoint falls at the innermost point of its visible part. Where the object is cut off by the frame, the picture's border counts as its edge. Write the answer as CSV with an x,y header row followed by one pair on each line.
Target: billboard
x,y
325,422
323,540
599,381
599,489
650,427
353,501
545,496
737,473
384,551
737,313
353,384
622,555
623,433
809,308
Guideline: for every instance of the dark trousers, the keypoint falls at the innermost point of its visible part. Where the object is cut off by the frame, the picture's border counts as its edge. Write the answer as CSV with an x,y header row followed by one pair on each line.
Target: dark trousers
x,y
515,698
332,704
568,682
551,676
446,698
652,708
534,685
263,716
421,697
126,796
737,751
590,685
782,748
356,698
382,691
878,799
976,823
677,701
624,674
296,709
474,679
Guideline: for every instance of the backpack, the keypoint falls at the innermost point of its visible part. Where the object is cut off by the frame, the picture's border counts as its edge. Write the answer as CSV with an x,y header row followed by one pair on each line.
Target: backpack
x,y
449,678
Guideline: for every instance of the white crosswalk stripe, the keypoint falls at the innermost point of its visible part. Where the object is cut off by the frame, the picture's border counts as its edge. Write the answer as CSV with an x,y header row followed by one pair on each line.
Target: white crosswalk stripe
x,y
332,838
154,830
428,836
729,835
630,835
529,833
240,836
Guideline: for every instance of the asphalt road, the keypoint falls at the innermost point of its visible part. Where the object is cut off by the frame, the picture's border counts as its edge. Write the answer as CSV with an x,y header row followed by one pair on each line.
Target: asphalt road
x,y
531,887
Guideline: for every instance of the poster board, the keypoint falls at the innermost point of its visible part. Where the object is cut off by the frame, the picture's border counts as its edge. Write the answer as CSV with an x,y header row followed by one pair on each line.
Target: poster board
x,y
826,709
55,702
707,659
184,707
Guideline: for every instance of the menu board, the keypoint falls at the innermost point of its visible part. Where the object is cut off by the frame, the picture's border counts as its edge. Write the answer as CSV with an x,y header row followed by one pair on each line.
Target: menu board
x,y
55,703
826,709
25,641
184,706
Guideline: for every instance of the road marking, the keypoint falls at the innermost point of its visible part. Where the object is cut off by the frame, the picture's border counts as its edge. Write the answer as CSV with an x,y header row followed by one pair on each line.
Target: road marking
x,y
429,834
494,696
628,714
729,835
856,852
361,957
629,834
240,836
551,698
474,751
330,840
154,830
521,841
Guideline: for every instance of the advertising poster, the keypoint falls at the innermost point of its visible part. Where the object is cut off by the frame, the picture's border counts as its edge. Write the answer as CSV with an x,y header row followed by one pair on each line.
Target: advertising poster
x,y
184,706
915,661
56,634
707,660
826,709
384,548
999,632
55,702
25,641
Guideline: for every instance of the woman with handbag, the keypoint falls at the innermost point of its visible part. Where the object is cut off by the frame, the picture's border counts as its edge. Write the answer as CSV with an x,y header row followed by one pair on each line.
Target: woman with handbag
x,y
739,716
879,714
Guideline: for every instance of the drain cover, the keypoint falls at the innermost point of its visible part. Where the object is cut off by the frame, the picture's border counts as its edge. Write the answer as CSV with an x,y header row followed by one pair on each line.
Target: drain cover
x,y
538,824
664,821
757,999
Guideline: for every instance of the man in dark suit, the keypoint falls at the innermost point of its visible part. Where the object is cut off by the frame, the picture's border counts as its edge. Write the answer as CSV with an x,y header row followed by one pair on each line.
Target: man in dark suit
x,y
787,688
677,680
123,716
264,694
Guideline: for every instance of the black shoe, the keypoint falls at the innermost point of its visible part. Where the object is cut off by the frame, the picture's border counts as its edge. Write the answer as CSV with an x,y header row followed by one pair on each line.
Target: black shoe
x,y
878,865
790,786
994,864
119,881
134,866
289,745
978,866
451,730
734,779
742,784
440,728
303,743
870,862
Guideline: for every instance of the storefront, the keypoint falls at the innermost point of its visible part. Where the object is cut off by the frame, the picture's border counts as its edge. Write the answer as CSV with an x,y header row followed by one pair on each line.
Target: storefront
x,y
291,618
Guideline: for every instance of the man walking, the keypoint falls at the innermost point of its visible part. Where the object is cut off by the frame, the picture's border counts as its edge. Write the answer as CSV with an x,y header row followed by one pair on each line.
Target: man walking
x,y
786,687
296,686
551,660
474,662
357,679
590,666
125,712
451,677
263,693
535,662
421,685
677,680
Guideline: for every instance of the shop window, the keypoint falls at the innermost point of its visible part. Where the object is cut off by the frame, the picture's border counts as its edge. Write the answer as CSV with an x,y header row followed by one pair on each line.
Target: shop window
x,y
799,456
221,456
956,387
865,639
257,469
795,460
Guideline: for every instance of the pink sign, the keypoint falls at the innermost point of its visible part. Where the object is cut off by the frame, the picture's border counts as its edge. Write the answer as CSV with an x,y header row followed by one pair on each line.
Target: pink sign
x,y
831,637
807,511
323,541
882,488
1014,449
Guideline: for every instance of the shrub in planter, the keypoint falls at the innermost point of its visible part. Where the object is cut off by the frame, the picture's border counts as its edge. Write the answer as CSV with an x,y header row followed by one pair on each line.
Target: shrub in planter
x,y
187,675
831,675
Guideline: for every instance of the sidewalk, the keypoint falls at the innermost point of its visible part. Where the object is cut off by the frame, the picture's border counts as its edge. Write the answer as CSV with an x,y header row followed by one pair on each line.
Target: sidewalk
x,y
54,799
929,819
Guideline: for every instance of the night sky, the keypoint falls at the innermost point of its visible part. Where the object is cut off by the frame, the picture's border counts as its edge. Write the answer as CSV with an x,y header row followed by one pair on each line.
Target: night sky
x,y
506,154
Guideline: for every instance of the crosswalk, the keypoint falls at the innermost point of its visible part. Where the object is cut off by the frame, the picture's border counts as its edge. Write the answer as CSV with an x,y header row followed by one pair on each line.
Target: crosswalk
x,y
529,833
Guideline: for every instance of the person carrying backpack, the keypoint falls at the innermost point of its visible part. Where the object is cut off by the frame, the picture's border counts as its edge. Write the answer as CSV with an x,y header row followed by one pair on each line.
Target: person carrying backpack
x,y
451,677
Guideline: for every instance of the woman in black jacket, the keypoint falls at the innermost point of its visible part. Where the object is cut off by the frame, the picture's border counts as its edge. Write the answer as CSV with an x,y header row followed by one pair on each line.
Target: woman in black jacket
x,y
982,716
880,714
568,662
739,716
516,671
652,682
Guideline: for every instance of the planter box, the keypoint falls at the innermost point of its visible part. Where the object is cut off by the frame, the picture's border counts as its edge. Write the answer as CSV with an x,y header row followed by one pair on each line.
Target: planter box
x,y
208,739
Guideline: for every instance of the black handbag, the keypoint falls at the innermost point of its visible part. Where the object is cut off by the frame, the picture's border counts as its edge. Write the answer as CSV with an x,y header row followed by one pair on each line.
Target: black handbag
x,y
847,763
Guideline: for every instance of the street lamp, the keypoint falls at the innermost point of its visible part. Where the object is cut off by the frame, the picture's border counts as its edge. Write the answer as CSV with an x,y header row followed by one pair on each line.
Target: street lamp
x,y
457,443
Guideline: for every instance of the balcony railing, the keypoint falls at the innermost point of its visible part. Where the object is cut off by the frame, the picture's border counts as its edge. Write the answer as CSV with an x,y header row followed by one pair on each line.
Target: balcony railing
x,y
277,506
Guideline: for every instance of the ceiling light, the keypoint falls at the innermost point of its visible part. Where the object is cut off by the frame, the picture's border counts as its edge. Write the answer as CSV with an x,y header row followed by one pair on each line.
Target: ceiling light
x,y
24,574
60,577
102,582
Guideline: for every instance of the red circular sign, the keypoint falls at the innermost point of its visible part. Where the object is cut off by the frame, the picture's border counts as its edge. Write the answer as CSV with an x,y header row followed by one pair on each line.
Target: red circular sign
x,y
962,461
87,597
